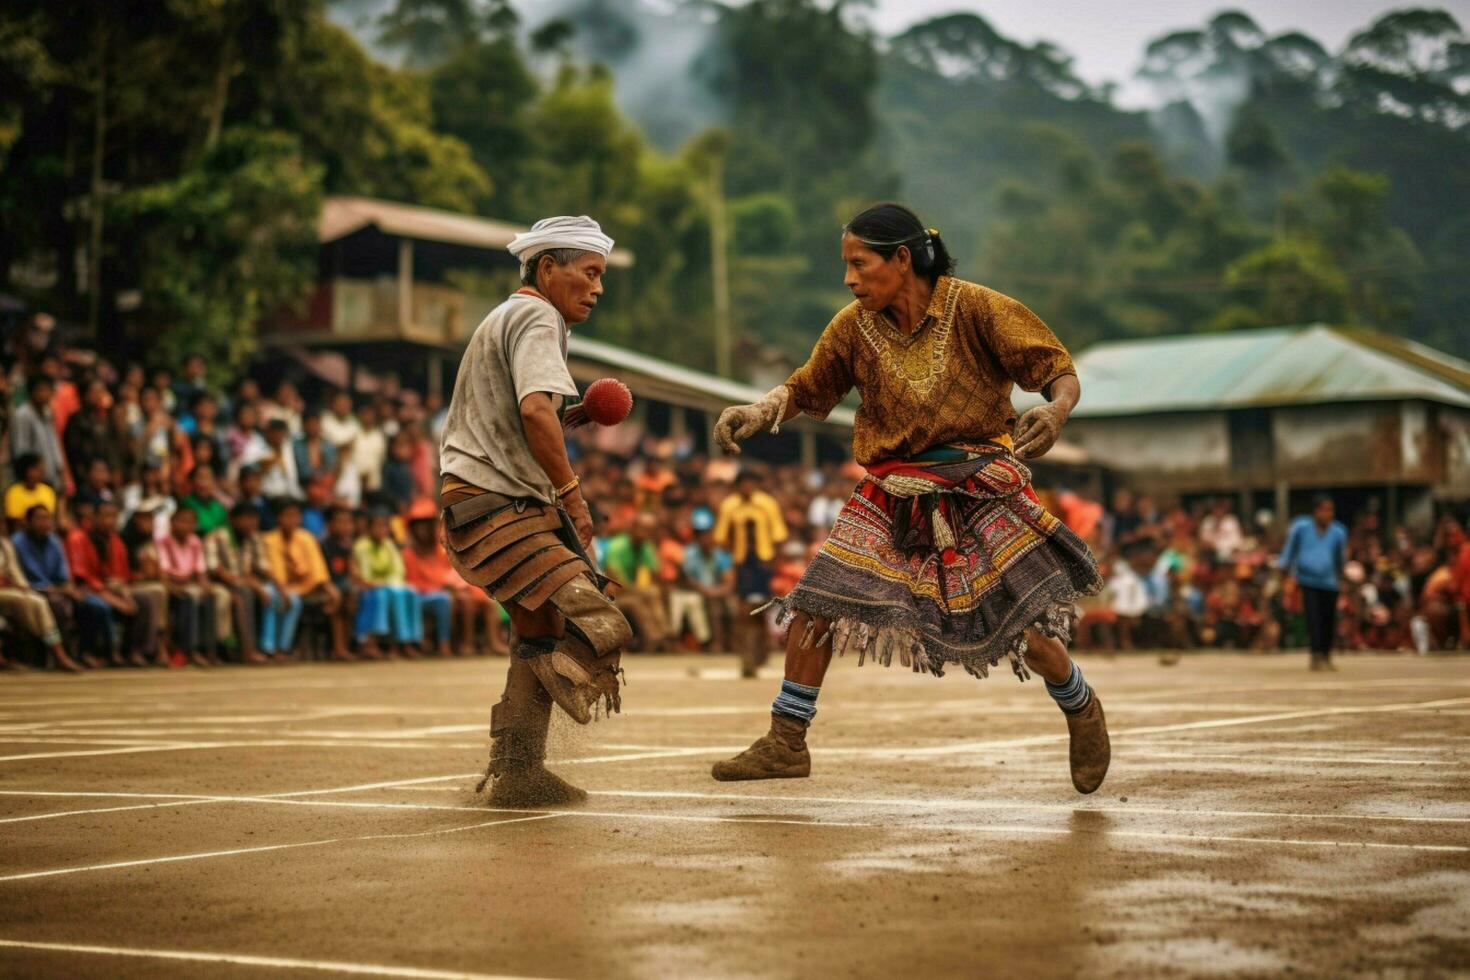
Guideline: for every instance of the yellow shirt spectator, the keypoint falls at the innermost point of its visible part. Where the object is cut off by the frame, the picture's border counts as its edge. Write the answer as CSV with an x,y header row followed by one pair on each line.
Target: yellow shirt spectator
x,y
297,562
749,519
20,498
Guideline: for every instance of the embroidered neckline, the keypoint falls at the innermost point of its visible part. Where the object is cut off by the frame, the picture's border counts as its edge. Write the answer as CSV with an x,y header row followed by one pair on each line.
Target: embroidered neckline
x,y
916,359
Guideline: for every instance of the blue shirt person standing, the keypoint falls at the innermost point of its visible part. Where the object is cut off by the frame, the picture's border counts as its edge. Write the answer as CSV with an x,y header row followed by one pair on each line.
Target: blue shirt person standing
x,y
1315,553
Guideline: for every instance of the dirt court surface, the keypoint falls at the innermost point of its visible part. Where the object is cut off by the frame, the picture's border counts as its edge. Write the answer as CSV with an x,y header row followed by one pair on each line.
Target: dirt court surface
x,y
1258,820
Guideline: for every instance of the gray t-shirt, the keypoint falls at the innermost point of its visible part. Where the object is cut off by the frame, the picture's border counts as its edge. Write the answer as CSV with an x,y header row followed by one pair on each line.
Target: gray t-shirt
x,y
520,348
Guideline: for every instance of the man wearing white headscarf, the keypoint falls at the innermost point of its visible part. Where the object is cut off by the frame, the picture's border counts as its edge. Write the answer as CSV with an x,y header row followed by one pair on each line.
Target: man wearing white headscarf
x,y
515,522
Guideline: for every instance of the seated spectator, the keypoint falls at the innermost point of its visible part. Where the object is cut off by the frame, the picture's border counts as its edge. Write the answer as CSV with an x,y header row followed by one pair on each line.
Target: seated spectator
x,y
298,568
341,535
33,432
96,483
43,559
89,434
705,588
192,607
209,509
29,611
1130,601
236,559
318,502
30,491
632,559
249,483
427,571
243,440
202,425
276,461
369,450
387,607
316,457
398,479
1097,620
99,565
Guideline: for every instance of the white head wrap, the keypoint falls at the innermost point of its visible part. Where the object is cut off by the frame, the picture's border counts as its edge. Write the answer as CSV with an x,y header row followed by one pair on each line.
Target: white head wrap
x,y
579,232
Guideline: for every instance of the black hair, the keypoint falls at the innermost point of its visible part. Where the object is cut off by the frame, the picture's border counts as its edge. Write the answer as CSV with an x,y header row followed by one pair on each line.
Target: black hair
x,y
242,509
282,504
561,256
887,227
25,461
336,509
31,510
1322,498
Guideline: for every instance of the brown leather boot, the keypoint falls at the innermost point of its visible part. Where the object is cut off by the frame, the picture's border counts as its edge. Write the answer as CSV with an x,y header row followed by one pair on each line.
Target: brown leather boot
x,y
781,753
517,775
1090,750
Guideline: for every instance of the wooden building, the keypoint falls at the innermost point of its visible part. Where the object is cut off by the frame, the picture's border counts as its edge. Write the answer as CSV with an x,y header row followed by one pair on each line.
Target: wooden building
x,y
1275,415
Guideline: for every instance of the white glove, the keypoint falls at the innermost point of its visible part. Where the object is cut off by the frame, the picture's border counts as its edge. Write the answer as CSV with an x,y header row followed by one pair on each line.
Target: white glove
x,y
739,422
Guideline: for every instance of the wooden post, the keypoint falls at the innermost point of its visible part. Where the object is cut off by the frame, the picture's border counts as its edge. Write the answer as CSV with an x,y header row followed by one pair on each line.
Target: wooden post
x,y
719,264
405,285
809,448
436,374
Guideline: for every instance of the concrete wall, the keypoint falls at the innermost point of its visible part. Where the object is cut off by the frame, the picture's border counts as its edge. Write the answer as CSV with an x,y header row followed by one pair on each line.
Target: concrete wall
x,y
1454,425
1347,443
1168,451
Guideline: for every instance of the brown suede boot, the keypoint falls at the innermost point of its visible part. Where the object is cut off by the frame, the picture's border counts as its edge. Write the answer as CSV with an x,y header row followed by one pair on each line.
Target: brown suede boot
x,y
779,754
517,774
1090,750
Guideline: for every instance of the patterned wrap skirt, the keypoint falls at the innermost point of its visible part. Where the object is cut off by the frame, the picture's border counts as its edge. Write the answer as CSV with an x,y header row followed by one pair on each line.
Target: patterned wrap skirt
x,y
948,559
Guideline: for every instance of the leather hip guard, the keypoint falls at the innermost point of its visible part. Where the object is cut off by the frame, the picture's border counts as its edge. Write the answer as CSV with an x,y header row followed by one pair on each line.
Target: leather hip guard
x,y
527,553
519,550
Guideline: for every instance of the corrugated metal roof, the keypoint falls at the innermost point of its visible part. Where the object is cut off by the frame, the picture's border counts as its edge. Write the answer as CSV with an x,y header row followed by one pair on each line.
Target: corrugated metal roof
x,y
1261,368
341,216
669,382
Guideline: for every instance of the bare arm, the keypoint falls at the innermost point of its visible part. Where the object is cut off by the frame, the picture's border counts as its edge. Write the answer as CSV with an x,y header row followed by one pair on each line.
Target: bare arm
x,y
548,445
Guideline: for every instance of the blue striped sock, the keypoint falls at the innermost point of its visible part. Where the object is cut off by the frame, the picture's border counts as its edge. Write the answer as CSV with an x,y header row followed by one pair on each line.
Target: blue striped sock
x,y
796,701
1072,694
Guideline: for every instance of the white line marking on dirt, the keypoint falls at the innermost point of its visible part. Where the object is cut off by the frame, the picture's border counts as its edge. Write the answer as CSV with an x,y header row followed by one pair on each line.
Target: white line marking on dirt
x,y
954,804
54,872
966,748
1028,830
276,962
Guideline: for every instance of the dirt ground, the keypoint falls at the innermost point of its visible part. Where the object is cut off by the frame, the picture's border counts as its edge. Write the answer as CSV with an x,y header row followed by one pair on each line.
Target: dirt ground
x,y
1259,820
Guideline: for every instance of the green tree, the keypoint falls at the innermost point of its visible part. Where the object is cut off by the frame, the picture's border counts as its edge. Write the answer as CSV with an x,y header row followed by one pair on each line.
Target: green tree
x,y
228,242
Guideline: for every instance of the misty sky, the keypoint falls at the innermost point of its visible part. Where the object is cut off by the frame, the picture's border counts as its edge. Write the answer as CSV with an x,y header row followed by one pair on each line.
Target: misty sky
x,y
1107,38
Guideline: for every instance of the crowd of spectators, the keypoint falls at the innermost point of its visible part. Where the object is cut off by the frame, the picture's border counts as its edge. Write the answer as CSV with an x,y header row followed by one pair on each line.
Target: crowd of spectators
x,y
155,519
1184,577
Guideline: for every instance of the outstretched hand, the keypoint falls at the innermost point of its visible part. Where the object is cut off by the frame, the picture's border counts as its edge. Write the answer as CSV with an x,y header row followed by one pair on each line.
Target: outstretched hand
x,y
739,422
1038,430
736,424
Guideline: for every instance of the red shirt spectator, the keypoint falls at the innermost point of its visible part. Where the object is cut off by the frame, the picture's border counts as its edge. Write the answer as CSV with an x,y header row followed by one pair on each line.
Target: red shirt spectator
x,y
91,569
428,572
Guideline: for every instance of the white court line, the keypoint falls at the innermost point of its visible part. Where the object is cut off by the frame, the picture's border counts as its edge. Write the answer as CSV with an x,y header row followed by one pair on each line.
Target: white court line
x,y
54,872
275,962
966,748
936,803
155,747
1028,831
194,799
949,803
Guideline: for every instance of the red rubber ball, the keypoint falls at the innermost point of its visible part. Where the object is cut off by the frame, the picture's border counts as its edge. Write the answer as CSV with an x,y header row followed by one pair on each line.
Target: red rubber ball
x,y
608,401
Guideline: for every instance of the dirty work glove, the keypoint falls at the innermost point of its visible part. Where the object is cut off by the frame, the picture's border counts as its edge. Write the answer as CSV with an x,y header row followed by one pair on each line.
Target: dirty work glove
x,y
739,422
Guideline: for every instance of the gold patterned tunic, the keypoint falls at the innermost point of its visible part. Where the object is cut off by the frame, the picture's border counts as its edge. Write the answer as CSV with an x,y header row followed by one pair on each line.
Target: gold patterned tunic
x,y
947,382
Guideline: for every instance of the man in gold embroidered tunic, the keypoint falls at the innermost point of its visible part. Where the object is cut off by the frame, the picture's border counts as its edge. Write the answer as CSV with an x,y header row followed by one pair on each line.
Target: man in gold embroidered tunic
x,y
943,555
